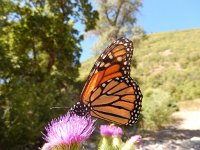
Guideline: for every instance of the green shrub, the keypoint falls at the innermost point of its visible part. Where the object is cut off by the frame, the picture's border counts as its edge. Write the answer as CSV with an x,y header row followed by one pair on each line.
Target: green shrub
x,y
157,108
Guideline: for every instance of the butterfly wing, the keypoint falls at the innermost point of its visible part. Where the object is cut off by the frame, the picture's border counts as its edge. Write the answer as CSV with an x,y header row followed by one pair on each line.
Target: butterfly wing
x,y
117,100
109,92
114,62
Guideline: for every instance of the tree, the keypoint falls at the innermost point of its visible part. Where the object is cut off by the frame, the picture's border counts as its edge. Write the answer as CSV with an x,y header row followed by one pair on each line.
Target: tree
x,y
39,54
117,18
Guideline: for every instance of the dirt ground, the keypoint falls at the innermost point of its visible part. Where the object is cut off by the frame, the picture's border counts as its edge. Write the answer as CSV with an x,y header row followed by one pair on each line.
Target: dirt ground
x,y
189,115
184,134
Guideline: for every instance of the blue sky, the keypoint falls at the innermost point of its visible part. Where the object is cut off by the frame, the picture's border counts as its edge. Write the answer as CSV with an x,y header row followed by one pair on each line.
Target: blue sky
x,y
160,16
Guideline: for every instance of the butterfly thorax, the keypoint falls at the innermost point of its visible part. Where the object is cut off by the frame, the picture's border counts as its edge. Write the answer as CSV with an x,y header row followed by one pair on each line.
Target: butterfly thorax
x,y
81,109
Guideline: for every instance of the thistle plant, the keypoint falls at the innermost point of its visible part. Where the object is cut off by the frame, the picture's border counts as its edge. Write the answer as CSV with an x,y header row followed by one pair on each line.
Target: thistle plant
x,y
111,139
68,132
133,143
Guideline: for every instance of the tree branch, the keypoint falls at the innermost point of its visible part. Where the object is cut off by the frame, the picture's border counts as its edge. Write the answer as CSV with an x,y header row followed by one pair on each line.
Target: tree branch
x,y
109,20
52,56
34,53
51,61
121,2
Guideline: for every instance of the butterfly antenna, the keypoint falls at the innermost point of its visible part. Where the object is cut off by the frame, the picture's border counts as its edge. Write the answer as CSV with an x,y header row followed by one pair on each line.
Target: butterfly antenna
x,y
59,107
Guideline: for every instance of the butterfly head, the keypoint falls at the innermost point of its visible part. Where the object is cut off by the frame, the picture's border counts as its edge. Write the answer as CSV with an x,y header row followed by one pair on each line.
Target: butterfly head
x,y
80,109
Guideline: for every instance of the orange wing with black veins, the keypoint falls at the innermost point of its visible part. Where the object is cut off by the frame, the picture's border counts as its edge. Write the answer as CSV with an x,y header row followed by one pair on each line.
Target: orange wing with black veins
x,y
114,62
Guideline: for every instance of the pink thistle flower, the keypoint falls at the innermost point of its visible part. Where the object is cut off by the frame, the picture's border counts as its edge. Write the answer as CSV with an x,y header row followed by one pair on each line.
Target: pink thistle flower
x,y
110,130
137,139
132,143
68,130
46,146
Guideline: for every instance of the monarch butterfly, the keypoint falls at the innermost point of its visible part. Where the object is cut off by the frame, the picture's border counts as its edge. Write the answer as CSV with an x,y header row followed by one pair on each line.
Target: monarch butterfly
x,y
109,92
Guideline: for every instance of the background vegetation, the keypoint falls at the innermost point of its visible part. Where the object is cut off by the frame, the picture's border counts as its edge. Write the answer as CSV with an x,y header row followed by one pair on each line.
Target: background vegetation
x,y
39,60
116,19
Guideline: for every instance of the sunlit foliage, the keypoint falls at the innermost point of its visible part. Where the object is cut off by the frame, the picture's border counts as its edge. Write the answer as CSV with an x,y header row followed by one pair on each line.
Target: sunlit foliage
x,y
39,55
